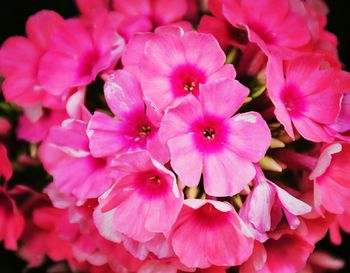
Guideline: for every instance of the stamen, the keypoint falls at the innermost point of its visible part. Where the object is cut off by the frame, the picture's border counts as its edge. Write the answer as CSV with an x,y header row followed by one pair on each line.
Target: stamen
x,y
144,130
154,179
190,86
209,133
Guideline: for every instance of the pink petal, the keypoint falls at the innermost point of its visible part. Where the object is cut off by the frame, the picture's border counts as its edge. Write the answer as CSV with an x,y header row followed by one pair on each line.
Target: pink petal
x,y
186,161
209,58
254,145
41,26
104,131
225,174
222,98
123,94
177,120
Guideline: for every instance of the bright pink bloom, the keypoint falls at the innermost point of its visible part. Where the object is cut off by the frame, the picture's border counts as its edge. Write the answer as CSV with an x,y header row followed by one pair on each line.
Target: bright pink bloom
x,y
157,12
175,62
20,57
65,151
136,127
137,15
322,262
11,220
35,128
78,52
301,92
287,254
278,27
264,206
5,126
145,200
331,177
36,121
203,136
210,233
5,164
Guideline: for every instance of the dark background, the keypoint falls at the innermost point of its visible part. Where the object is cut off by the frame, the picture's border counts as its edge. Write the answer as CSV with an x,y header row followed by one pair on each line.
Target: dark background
x,y
14,13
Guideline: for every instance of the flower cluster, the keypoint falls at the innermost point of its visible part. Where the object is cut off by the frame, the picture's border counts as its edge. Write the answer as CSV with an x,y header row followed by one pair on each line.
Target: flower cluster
x,y
223,147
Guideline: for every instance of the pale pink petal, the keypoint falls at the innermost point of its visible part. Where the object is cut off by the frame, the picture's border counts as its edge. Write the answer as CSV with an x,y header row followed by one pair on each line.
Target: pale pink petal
x,y
254,145
186,161
123,94
209,58
178,119
222,97
225,173
104,131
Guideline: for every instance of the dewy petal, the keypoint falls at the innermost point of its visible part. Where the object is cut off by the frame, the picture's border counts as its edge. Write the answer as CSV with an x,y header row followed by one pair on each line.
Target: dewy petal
x,y
209,57
225,173
104,131
223,97
186,161
249,136
123,93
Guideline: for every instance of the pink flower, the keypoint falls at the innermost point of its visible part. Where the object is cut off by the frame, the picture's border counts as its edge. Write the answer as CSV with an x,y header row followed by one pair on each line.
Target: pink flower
x,y
264,206
286,254
203,136
157,12
36,121
20,58
331,178
210,233
277,27
11,220
174,63
64,152
146,200
301,92
321,262
136,127
5,164
78,52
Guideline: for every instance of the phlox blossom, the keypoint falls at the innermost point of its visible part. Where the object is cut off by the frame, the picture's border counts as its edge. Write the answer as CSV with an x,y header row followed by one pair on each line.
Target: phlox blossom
x,y
146,200
278,27
66,156
204,136
175,62
331,177
300,92
210,233
136,125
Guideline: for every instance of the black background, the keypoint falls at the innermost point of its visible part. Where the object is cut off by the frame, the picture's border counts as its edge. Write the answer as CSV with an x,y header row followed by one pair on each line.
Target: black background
x,y
14,13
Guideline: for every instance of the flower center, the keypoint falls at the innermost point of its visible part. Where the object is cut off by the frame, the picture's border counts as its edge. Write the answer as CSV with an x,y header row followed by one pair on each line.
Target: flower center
x,y
209,133
154,179
186,79
144,130
189,86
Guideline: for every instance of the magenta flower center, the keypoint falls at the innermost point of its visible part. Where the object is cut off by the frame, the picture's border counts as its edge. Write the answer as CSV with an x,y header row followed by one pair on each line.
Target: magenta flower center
x,y
291,99
152,184
186,79
208,215
209,134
